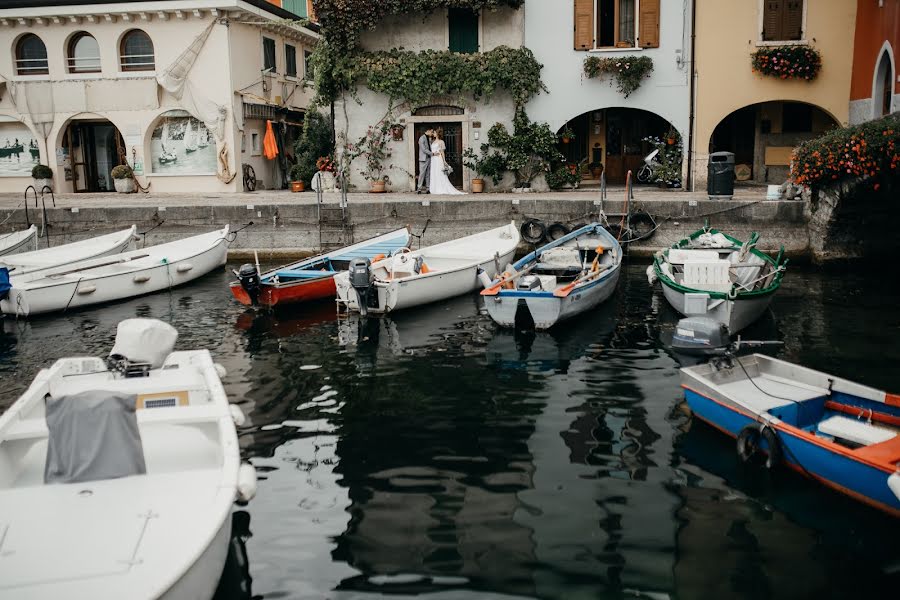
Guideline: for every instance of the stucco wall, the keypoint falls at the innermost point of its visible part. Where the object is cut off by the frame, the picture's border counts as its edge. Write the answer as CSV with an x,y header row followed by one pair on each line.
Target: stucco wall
x,y
877,31
728,31
549,30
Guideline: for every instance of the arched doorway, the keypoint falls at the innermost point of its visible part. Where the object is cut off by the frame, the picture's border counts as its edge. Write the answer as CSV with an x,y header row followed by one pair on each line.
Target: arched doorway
x,y
92,147
612,141
762,137
883,92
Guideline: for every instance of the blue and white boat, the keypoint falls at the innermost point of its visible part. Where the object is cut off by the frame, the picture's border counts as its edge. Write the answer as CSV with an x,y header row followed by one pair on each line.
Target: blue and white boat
x,y
837,432
560,281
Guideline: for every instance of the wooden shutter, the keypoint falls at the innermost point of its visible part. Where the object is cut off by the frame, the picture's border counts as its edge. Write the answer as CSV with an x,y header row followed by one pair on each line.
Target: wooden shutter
x,y
648,34
584,24
792,24
773,17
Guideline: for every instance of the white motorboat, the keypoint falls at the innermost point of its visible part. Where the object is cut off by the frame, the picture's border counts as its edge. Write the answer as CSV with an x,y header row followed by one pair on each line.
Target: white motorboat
x,y
12,243
118,477
117,277
413,278
711,274
563,279
57,256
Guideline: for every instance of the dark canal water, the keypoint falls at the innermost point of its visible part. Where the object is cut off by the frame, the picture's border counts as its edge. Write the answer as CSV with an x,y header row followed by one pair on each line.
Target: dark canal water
x,y
431,453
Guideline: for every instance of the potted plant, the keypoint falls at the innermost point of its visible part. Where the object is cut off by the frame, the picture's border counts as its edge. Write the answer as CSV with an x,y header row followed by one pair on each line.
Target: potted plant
x,y
567,135
484,165
123,179
43,176
596,169
374,148
299,174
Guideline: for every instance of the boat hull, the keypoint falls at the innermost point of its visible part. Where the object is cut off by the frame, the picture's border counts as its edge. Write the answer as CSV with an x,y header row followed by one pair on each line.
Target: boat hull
x,y
73,293
838,471
735,314
202,578
288,293
16,242
547,310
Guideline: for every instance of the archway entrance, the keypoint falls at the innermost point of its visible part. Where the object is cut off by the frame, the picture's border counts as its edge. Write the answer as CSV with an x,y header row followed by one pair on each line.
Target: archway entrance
x,y
612,141
94,147
883,94
762,137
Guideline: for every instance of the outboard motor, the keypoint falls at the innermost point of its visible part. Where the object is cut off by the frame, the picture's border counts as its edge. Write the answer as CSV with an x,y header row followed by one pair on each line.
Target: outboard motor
x,y
248,275
702,336
361,281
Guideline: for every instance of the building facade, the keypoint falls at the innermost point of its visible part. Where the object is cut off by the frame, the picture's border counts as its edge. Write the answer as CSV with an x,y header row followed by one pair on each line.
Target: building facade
x,y
609,127
761,118
875,84
181,90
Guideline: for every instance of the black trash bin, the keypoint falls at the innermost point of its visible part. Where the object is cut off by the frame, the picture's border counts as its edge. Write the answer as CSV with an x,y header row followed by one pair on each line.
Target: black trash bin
x,y
720,181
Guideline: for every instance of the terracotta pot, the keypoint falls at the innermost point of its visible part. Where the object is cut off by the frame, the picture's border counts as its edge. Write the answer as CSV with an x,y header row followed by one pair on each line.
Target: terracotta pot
x,y
670,141
565,140
297,186
477,186
596,173
377,187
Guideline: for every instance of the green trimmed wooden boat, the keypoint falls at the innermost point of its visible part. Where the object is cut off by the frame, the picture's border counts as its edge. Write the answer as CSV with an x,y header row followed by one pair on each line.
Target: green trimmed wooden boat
x,y
712,274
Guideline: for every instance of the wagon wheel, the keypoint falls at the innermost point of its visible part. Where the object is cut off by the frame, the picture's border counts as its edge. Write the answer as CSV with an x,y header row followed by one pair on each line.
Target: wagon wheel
x,y
249,178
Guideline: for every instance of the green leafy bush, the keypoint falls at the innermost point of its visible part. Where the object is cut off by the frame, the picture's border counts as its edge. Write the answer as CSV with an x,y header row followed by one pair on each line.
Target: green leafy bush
x,y
867,151
314,142
669,169
41,172
122,172
787,62
528,151
627,71
417,77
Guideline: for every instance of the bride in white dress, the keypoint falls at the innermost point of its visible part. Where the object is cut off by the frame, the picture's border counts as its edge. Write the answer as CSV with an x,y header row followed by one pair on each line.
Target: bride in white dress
x,y
439,182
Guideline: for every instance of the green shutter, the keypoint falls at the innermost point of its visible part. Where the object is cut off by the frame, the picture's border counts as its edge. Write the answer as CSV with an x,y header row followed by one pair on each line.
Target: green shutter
x,y
463,24
298,7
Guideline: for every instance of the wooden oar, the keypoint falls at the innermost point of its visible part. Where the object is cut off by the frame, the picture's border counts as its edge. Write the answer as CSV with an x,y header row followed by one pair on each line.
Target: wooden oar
x,y
506,278
567,289
106,264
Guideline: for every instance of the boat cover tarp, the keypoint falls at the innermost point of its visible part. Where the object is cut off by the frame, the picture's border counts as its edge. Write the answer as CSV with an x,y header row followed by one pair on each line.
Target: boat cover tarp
x,y
144,341
93,435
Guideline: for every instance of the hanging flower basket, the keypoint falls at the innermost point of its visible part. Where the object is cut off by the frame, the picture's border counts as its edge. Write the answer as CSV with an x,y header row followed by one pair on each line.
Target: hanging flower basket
x,y
627,71
787,62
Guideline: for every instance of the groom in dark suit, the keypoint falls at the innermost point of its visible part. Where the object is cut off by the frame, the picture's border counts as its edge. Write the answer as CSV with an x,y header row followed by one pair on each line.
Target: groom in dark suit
x,y
424,162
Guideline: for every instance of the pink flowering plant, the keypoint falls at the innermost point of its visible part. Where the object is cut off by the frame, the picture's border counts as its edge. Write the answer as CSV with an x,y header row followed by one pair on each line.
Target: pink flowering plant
x,y
627,71
787,62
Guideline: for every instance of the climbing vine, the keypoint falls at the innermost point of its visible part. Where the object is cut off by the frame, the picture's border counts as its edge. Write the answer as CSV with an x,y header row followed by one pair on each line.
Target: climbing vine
x,y
343,21
417,77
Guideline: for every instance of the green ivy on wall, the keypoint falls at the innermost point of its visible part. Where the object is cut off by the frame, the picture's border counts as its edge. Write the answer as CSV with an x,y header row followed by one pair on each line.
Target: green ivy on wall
x,y
343,21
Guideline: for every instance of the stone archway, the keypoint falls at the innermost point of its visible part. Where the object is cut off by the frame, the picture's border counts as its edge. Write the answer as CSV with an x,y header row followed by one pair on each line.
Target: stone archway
x,y
883,85
90,145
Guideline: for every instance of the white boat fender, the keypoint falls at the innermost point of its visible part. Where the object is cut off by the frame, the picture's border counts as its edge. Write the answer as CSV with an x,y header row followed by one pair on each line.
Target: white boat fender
x,y
184,267
894,483
237,415
651,275
220,370
141,278
87,289
246,487
484,278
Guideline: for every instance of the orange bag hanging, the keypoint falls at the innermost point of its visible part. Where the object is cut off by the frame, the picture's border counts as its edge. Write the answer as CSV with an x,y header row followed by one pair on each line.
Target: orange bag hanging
x,y
270,147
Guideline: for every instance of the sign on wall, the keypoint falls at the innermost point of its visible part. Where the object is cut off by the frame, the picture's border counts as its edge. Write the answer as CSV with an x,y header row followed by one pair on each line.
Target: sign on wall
x,y
181,145
18,150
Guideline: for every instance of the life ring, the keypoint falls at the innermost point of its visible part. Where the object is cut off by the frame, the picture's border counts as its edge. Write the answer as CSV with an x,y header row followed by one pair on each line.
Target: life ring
x,y
576,227
556,231
748,444
533,231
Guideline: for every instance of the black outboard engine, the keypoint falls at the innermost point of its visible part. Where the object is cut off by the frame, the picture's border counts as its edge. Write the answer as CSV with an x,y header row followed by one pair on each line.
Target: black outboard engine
x,y
700,336
361,281
248,275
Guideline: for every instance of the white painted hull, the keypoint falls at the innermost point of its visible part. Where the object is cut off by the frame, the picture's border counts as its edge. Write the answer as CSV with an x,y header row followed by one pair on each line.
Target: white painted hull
x,y
162,534
140,272
548,310
457,278
735,314
58,256
13,243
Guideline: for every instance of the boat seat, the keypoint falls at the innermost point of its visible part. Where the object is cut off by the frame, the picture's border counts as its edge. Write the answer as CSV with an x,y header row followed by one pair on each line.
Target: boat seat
x,y
679,256
708,275
302,273
852,430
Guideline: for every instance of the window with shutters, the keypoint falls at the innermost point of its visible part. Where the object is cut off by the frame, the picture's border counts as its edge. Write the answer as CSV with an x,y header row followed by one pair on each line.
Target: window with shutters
x,y
782,20
290,60
601,24
462,24
269,54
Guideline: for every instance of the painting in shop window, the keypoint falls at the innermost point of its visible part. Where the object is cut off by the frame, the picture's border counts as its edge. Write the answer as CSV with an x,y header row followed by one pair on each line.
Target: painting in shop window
x,y
182,145
18,150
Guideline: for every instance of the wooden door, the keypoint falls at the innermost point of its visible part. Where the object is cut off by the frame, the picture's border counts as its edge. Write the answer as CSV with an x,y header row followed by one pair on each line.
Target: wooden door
x,y
453,140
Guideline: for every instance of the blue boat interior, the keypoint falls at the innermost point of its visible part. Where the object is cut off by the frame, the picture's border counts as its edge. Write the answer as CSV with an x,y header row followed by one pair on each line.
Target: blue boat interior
x,y
327,266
